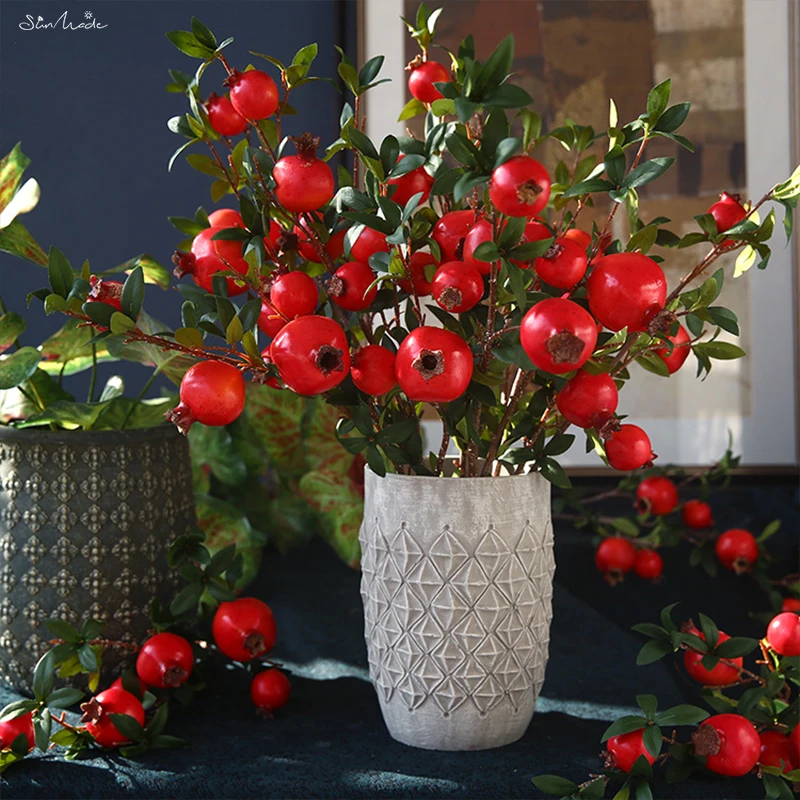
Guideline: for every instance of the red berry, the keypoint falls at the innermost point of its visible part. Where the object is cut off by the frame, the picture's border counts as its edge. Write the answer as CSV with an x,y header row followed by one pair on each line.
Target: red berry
x,y
794,744
97,711
520,187
422,286
658,495
737,550
680,352
615,556
457,287
697,514
351,286
410,184
626,290
648,564
104,291
776,751
226,218
209,256
270,320
722,674
224,118
271,239
254,94
294,294
790,604
727,212
626,749
212,393
372,370
449,233
581,237
433,365
143,687
19,726
480,232
304,182
369,242
304,243
335,245
730,744
422,78
270,690
563,265
587,400
558,335
312,355
783,634
629,448
165,661
244,629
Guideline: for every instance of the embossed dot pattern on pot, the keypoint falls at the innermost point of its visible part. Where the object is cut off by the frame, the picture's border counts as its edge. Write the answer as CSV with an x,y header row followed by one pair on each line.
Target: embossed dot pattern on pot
x,y
85,520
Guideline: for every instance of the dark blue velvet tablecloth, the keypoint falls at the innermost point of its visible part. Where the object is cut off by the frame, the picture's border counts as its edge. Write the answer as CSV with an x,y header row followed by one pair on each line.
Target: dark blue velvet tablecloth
x,y
330,741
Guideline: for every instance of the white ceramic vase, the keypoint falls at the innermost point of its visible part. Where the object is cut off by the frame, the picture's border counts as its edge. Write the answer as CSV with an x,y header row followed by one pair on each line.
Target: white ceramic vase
x,y
457,588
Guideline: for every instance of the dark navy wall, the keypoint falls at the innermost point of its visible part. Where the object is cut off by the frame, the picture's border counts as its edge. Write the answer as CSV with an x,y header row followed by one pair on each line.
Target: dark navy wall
x,y
91,111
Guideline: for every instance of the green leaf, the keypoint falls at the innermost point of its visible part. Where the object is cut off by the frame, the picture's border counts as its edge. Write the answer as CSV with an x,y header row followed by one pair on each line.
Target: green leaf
x,y
681,715
735,646
554,472
12,168
653,363
11,326
64,697
673,117
17,367
652,651
497,66
63,630
657,100
486,251
189,45
60,273
153,271
17,709
653,740
723,351
411,109
133,294
555,784
725,318
87,658
624,725
647,172
187,599
43,676
203,35
614,163
588,187
369,71
127,726
16,240
642,240
649,705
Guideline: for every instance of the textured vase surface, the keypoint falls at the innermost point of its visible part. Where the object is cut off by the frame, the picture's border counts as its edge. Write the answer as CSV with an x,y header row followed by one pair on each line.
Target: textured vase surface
x,y
457,589
85,522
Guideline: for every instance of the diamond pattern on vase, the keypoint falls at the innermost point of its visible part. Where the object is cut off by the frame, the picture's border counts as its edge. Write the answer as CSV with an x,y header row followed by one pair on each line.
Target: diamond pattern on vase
x,y
33,549
36,487
95,582
63,582
94,551
404,551
425,580
8,580
11,516
123,517
7,611
94,518
94,457
64,519
8,547
94,486
123,485
12,486
34,613
63,551
36,456
126,582
63,487
493,552
457,619
33,581
448,553
35,518
150,547
67,612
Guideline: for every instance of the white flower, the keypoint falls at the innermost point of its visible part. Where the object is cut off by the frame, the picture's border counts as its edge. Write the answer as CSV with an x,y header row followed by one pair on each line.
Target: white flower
x,y
87,14
24,200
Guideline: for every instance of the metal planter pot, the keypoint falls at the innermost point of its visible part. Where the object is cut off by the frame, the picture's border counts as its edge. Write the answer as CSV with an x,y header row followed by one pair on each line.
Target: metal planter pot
x,y
85,522
457,588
